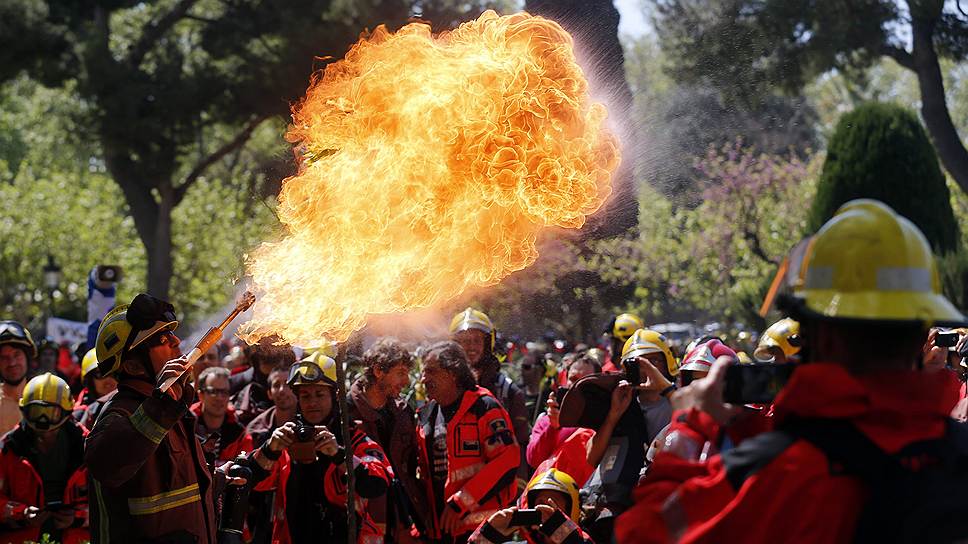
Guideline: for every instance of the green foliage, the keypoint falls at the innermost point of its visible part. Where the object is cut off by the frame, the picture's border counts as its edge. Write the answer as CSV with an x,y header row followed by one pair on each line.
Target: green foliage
x,y
881,151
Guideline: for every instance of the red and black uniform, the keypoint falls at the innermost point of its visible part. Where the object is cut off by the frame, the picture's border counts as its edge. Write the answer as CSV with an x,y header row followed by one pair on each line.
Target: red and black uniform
x,y
470,456
232,440
798,495
310,498
558,529
31,478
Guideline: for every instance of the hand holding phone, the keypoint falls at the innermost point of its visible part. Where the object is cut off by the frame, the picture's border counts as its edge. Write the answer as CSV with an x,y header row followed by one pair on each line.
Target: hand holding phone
x,y
525,518
756,383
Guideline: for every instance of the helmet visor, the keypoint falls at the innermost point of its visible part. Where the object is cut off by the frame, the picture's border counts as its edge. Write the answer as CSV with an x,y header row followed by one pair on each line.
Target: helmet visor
x,y
304,372
43,416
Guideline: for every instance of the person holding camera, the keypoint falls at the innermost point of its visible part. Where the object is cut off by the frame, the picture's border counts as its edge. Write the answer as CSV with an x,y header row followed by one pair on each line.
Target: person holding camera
x,y
551,518
309,479
862,448
43,482
467,448
548,436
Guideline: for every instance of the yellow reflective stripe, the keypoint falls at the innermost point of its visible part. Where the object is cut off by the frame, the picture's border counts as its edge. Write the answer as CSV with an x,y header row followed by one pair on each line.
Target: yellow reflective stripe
x,y
147,426
164,501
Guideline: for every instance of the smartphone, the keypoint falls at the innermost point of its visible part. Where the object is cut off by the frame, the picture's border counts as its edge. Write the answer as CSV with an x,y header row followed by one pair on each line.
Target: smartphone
x,y
108,273
525,518
560,394
946,339
756,383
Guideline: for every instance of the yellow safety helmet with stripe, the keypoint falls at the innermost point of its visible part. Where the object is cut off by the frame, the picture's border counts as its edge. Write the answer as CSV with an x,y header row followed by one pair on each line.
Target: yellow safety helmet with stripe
x,y
127,326
555,480
46,402
89,363
869,263
471,319
784,334
645,342
315,368
625,325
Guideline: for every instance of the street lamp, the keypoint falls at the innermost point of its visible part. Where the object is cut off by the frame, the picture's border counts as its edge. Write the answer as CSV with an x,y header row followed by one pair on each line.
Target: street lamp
x,y
52,279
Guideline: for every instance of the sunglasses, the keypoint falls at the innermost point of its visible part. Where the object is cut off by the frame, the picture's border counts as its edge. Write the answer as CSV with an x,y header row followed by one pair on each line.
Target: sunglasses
x,y
216,392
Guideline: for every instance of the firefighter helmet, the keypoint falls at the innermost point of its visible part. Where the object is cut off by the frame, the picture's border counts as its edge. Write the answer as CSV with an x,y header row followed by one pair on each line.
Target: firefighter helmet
x,y
625,325
89,363
869,263
702,357
784,334
46,402
555,480
128,326
645,342
15,334
474,319
316,368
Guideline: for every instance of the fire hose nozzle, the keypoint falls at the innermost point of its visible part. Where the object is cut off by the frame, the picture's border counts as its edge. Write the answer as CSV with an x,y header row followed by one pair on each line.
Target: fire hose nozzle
x,y
211,337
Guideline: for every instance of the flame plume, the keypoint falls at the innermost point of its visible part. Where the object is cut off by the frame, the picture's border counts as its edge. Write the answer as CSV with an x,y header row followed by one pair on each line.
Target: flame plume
x,y
428,165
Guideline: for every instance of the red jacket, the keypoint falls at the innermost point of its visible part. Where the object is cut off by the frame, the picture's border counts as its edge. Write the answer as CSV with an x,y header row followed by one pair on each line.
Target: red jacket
x,y
558,529
372,472
482,459
21,486
794,498
234,438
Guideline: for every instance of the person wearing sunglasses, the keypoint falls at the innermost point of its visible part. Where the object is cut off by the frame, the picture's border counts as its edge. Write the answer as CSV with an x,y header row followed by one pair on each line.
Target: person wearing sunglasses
x,y
148,476
17,351
44,487
309,478
222,436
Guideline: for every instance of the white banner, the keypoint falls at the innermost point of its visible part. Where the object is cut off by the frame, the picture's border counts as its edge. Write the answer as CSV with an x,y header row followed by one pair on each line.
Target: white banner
x,y
68,332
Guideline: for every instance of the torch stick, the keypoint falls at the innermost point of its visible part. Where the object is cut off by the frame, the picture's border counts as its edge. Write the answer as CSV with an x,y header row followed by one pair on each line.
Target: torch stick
x,y
213,335
348,441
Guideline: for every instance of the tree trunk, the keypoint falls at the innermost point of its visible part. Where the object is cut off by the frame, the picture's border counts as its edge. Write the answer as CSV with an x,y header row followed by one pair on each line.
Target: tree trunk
x,y
594,26
934,108
160,266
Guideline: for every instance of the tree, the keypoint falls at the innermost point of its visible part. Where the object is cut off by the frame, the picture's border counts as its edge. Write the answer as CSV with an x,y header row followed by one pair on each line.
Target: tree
x,y
747,47
594,26
881,151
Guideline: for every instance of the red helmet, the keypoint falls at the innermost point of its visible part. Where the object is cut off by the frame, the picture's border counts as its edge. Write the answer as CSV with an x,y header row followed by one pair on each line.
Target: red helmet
x,y
703,356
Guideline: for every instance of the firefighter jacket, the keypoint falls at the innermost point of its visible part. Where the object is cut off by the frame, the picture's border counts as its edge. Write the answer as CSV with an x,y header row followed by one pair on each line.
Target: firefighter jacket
x,y
147,473
482,459
233,438
21,485
372,475
799,495
558,529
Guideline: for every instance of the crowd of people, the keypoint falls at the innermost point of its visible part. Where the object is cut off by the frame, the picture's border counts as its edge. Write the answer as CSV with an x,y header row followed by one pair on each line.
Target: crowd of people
x,y
458,440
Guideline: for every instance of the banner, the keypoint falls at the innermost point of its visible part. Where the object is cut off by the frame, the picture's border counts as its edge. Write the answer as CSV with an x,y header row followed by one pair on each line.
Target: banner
x,y
64,331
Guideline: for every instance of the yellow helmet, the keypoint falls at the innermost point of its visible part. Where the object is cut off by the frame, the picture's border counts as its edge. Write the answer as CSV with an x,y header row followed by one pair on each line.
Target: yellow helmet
x,y
12,332
476,320
315,368
555,480
868,262
88,363
46,402
625,325
127,326
784,334
329,349
644,342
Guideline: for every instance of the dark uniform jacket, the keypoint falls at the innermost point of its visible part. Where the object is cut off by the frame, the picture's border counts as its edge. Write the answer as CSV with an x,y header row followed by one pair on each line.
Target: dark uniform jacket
x,y
148,479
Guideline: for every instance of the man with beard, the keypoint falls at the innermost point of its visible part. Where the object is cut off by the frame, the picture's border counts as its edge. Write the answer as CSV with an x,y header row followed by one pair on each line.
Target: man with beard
x,y
374,401
17,349
250,389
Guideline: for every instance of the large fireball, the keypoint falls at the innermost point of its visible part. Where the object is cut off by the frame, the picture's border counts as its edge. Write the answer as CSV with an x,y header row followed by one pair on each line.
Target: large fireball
x,y
429,164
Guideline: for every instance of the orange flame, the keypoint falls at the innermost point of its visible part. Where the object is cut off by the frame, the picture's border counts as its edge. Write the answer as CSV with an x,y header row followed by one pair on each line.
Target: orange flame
x,y
429,165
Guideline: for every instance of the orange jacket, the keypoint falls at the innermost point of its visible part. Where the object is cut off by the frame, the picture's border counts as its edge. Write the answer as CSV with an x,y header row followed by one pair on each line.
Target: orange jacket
x,y
482,459
21,486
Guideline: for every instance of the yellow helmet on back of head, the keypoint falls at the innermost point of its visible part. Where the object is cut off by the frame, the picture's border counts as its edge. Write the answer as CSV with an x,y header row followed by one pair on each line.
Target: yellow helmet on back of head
x,y
555,480
784,334
129,325
625,325
645,342
869,263
88,363
471,319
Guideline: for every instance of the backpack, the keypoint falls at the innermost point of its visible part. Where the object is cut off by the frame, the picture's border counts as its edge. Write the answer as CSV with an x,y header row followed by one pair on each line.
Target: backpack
x,y
915,494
